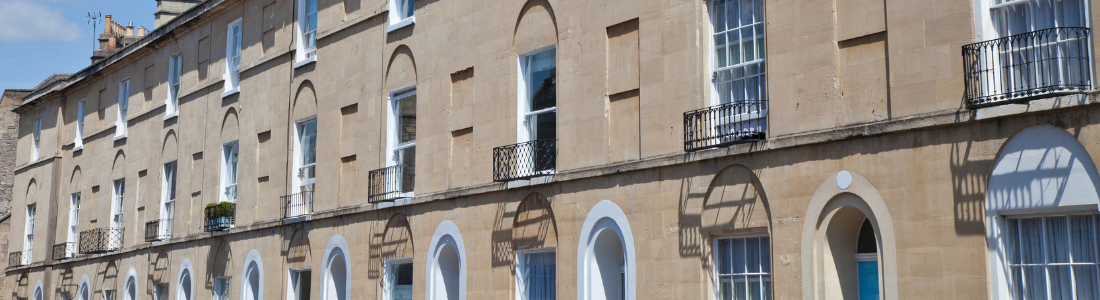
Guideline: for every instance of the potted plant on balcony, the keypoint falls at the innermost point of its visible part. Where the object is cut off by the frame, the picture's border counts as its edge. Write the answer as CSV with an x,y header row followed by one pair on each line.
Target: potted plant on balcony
x,y
220,215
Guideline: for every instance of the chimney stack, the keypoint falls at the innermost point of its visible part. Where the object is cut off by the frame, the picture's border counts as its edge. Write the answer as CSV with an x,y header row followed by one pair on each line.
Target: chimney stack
x,y
170,9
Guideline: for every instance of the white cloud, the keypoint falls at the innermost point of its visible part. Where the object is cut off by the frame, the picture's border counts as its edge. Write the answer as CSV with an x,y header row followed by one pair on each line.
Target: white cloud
x,y
28,21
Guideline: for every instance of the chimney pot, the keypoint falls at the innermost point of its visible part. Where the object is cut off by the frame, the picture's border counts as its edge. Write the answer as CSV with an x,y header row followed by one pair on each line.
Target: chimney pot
x,y
141,31
107,24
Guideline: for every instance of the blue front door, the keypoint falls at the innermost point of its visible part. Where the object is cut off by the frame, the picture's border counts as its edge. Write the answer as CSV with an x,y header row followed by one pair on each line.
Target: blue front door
x,y
868,280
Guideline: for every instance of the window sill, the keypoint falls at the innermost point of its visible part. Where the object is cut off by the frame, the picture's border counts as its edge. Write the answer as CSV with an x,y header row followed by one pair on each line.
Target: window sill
x,y
228,93
401,24
78,148
120,137
171,115
309,60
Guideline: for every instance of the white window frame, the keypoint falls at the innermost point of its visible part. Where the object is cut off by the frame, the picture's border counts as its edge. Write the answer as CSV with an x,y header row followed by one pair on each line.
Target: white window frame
x,y
28,233
523,107
392,145
172,103
388,275
37,138
293,288
168,198
228,182
78,140
1008,265
715,273
118,196
306,52
160,292
715,93
123,109
297,181
233,58
223,282
397,21
521,272
74,224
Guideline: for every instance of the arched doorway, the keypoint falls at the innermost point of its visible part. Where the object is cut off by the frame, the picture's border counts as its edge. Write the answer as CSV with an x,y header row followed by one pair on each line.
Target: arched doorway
x,y
606,267
335,270
848,242
184,284
446,270
605,260
446,273
336,278
131,289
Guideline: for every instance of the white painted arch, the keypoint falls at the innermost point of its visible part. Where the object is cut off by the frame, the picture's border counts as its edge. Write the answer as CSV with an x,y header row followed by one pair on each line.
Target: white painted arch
x,y
252,285
1041,169
185,286
605,216
37,291
131,282
446,241
85,290
335,282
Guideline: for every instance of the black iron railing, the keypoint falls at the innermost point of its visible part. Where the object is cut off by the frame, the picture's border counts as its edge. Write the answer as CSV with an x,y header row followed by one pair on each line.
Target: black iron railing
x,y
16,258
220,216
64,250
158,230
391,183
524,160
100,240
726,124
298,204
1027,66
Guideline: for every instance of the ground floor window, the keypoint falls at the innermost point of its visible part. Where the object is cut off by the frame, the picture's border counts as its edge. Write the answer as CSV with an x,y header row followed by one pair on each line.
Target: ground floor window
x,y
743,267
399,279
1053,257
221,288
537,274
299,284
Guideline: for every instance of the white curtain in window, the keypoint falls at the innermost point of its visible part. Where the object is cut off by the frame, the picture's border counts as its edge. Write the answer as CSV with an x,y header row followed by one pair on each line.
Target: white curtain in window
x,y
1053,256
539,273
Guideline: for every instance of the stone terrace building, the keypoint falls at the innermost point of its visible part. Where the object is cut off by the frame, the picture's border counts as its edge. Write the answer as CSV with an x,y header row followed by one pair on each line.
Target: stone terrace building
x,y
610,149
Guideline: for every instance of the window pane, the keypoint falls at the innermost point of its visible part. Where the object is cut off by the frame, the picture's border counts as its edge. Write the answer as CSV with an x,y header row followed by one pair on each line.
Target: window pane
x,y
407,158
739,256
543,126
1086,279
725,288
403,277
1011,242
406,124
723,257
1082,238
1060,281
1031,241
541,76
309,142
752,255
1057,240
540,269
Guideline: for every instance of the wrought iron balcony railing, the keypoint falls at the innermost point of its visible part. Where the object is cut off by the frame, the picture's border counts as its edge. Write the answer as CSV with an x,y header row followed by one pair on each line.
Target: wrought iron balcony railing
x,y
64,250
19,258
158,230
1026,66
391,183
524,160
100,240
298,204
726,124
220,216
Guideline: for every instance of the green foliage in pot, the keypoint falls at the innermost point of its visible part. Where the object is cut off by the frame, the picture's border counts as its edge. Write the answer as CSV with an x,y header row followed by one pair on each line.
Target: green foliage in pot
x,y
223,209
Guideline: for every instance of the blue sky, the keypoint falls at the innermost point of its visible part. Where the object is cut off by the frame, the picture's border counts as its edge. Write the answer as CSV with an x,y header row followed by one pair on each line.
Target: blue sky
x,y
43,37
